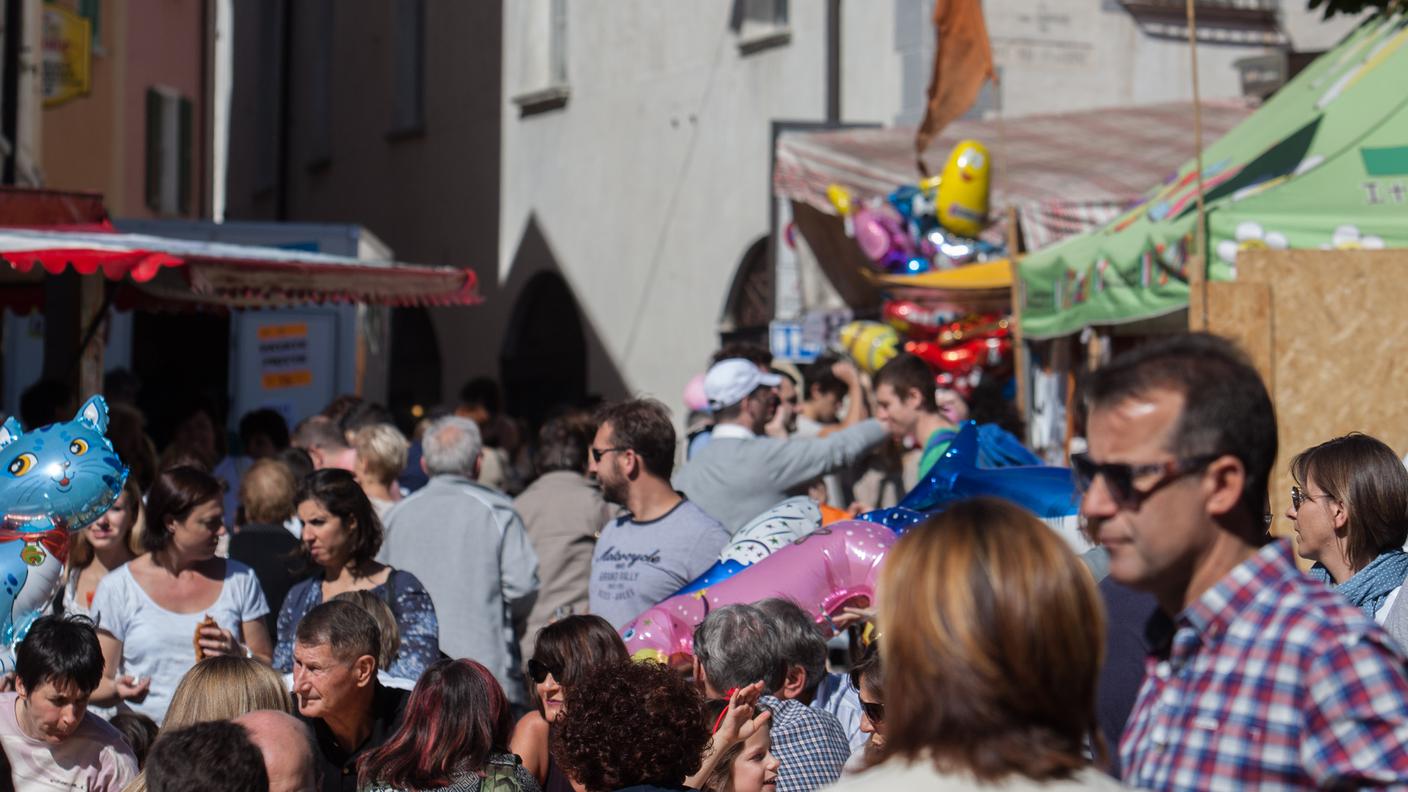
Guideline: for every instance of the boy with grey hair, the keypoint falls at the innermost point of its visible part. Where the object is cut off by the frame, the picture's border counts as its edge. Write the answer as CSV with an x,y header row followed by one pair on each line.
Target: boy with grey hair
x,y
738,645
468,546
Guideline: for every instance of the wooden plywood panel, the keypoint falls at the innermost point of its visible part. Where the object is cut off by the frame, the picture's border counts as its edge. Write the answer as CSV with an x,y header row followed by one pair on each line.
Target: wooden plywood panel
x,y
1338,351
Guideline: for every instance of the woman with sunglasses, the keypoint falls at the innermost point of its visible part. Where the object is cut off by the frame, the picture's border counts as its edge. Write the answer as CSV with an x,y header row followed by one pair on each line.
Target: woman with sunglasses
x,y
566,652
1350,510
869,682
971,601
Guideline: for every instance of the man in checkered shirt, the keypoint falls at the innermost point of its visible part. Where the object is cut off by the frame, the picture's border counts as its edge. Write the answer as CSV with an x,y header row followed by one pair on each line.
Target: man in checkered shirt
x,y
1259,677
738,645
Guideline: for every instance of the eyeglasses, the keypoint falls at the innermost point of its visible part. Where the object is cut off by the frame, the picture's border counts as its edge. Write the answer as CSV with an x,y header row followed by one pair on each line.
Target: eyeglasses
x,y
1120,478
1299,497
873,710
538,671
598,453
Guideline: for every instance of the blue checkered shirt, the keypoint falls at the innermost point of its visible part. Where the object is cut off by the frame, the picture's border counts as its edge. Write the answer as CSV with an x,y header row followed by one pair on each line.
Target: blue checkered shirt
x,y
809,743
1269,681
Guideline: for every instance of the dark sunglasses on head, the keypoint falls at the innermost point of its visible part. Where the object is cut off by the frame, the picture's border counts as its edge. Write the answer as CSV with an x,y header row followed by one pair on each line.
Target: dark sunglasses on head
x,y
598,453
539,671
873,710
1120,478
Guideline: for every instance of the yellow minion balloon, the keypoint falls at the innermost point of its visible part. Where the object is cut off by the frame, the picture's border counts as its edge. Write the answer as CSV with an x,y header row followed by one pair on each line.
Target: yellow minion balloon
x,y
963,190
870,344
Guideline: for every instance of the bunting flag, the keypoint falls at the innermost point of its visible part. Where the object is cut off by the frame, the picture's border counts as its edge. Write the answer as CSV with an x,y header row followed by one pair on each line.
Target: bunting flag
x,y
962,62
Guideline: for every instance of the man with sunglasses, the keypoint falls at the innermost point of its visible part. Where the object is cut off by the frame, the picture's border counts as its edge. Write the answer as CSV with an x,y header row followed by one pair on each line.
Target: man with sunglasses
x,y
741,473
1257,676
663,540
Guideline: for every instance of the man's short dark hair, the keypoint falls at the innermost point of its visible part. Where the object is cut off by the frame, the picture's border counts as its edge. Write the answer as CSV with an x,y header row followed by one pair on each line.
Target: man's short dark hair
x,y
343,627
317,431
644,426
482,392
819,377
563,442
1226,409
802,642
908,372
264,422
364,414
213,756
60,649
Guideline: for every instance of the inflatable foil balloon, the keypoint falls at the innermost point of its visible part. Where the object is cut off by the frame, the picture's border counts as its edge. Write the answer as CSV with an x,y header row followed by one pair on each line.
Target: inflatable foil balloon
x,y
772,530
1047,492
870,344
963,189
53,481
821,572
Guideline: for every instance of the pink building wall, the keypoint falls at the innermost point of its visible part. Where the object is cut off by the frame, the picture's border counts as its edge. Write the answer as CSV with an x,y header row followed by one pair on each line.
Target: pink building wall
x,y
98,142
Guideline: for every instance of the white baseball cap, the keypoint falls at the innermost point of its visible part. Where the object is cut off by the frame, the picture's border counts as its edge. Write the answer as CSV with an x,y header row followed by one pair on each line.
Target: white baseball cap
x,y
730,381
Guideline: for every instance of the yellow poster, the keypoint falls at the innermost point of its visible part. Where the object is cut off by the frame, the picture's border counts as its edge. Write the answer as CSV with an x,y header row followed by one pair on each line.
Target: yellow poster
x,y
68,45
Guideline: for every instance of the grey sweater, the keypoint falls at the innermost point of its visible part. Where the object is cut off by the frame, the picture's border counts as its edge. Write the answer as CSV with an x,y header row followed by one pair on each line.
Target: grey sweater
x,y
736,479
470,551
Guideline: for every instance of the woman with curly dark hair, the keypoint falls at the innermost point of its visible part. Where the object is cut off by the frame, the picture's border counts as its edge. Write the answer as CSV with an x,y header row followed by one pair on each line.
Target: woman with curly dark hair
x,y
632,725
453,737
566,652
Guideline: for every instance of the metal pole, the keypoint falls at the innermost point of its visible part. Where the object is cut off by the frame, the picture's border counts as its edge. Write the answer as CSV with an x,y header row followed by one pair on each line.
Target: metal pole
x,y
1197,270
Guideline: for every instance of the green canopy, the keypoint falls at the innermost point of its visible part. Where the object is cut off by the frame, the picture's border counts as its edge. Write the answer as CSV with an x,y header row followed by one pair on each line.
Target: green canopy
x,y
1323,164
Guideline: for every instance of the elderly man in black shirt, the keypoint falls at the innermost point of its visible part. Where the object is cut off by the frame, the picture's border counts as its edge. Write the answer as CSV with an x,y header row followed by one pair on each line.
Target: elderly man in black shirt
x,y
334,678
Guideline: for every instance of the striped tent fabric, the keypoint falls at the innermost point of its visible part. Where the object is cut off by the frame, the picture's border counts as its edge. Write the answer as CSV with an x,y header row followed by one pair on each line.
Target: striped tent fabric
x,y
1063,173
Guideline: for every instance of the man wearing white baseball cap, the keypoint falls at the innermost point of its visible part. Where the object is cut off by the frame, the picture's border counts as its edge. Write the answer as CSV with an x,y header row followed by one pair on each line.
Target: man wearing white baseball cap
x,y
740,474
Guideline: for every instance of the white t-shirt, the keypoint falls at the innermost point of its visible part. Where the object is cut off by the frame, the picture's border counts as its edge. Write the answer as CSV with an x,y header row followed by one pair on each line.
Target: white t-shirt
x,y
159,644
1382,615
93,758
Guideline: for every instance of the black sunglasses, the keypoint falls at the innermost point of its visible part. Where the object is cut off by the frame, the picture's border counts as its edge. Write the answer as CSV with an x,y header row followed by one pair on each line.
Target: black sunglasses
x,y
873,710
538,671
1120,478
1300,497
598,453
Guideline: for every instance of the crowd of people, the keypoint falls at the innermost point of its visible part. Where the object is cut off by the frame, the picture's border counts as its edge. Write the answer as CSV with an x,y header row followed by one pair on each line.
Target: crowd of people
x,y
345,606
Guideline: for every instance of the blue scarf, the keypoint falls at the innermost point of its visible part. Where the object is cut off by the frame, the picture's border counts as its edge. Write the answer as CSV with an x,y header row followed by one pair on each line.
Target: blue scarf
x,y
1370,586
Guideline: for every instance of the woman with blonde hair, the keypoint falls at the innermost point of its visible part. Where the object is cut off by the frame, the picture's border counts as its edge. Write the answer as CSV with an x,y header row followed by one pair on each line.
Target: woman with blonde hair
x,y
221,687
224,687
993,634
109,542
381,456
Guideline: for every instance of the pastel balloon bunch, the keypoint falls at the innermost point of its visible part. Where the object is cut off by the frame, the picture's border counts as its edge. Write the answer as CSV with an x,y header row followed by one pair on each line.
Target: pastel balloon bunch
x,y
933,224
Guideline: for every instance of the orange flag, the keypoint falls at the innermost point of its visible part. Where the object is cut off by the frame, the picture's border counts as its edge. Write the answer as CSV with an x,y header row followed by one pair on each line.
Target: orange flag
x,y
962,62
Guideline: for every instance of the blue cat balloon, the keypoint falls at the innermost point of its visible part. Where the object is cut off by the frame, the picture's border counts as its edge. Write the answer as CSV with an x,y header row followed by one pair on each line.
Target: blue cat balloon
x,y
53,481
1047,492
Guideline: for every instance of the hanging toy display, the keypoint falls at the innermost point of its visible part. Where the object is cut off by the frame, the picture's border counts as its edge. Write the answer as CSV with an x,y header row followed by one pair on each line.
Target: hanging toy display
x,y
54,481
963,189
870,344
931,225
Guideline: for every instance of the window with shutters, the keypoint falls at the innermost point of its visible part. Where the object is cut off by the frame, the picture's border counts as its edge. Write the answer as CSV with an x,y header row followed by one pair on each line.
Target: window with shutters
x,y
168,182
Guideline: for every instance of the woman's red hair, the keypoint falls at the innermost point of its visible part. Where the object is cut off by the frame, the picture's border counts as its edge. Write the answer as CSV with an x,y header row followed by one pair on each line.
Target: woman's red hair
x,y
456,716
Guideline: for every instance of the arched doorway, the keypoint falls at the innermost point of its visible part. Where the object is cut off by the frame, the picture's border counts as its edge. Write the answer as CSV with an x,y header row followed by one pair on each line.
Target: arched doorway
x,y
749,306
544,360
414,378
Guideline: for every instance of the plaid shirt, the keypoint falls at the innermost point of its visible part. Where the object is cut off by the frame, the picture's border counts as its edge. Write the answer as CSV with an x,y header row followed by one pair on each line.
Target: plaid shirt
x,y
809,743
1268,681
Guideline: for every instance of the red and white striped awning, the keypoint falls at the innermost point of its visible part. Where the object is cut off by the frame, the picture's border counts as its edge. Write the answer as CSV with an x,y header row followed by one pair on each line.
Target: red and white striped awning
x,y
1063,173
236,276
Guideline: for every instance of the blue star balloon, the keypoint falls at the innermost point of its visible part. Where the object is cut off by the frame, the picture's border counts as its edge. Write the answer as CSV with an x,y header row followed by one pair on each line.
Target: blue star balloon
x,y
1047,492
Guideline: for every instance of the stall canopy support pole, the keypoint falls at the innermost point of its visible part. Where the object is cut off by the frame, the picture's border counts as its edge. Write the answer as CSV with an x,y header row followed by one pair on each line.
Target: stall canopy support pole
x,y
1197,266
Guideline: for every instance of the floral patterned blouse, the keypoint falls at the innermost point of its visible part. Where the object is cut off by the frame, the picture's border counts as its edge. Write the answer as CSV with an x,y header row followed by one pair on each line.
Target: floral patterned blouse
x,y
410,603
